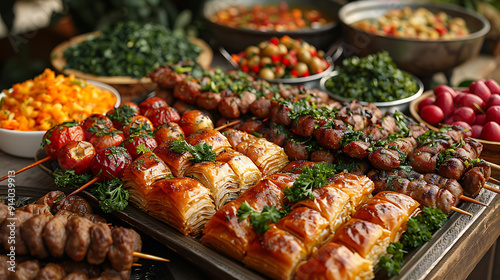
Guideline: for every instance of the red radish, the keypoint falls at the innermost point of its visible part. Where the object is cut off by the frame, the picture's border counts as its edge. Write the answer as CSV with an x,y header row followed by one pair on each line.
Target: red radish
x,y
491,132
480,89
493,114
466,126
465,114
425,101
476,131
494,100
432,114
448,120
444,100
473,101
493,86
458,97
444,88
480,119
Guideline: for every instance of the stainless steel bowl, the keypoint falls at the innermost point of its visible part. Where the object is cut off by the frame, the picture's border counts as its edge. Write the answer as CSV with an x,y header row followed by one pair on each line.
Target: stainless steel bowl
x,y
236,39
401,105
421,58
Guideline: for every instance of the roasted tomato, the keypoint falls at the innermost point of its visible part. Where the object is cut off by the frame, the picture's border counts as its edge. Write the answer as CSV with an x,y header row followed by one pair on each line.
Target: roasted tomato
x,y
110,163
154,102
162,115
195,120
137,124
168,130
139,143
107,138
121,116
58,136
77,156
94,123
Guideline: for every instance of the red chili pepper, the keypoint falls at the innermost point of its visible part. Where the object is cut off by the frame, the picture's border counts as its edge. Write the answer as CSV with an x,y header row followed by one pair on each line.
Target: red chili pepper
x,y
244,68
275,58
275,41
441,29
285,61
294,72
306,74
256,68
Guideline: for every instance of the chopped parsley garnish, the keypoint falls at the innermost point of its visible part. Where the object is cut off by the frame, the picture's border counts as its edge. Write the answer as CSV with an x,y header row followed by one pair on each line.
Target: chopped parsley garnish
x,y
122,114
111,195
259,221
419,229
449,153
393,265
430,136
201,152
65,178
309,179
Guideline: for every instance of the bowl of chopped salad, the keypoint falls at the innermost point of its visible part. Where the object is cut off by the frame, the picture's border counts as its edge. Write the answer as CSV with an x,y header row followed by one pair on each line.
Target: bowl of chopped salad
x,y
422,38
373,79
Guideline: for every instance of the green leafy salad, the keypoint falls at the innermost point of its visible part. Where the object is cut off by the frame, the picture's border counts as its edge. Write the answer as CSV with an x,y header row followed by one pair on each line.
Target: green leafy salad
x,y
131,49
373,78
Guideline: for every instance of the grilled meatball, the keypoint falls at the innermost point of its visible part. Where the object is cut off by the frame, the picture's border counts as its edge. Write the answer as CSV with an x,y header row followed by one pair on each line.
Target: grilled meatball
x,y
296,151
32,231
357,149
55,235
27,270
322,156
261,107
100,241
229,107
78,242
50,197
124,244
209,100
253,126
15,224
51,271
187,91
75,204
329,138
279,113
275,136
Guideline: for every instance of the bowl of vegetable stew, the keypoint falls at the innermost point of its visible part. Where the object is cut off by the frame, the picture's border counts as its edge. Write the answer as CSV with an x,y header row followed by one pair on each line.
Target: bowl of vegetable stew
x,y
422,58
236,36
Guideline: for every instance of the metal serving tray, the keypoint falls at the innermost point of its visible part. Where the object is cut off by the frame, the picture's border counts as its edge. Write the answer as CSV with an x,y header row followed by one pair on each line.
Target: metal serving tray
x,y
418,263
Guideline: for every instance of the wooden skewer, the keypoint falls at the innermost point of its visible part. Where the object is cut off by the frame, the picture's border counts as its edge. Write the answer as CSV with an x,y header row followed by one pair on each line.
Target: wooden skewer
x,y
460,211
493,165
26,167
491,188
494,180
84,186
136,264
465,198
228,125
149,257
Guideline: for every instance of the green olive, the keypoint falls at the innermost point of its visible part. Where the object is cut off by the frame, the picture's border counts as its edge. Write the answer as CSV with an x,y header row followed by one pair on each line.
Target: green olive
x,y
270,49
317,65
302,68
254,60
266,73
263,44
251,51
282,49
304,55
265,60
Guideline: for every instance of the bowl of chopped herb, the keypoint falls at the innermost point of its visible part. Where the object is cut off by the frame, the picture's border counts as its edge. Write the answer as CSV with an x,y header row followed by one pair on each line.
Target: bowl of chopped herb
x,y
123,56
373,79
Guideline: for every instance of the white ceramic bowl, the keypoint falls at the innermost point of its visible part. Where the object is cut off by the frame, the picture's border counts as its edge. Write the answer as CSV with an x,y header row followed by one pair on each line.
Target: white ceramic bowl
x,y
26,143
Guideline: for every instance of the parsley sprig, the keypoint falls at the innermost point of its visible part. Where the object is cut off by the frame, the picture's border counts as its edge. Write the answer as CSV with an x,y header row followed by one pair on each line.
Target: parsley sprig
x,y
260,221
68,178
393,265
201,152
309,179
111,195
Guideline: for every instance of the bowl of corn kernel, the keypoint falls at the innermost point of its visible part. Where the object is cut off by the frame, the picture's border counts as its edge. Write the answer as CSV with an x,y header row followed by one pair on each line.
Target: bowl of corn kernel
x,y
30,108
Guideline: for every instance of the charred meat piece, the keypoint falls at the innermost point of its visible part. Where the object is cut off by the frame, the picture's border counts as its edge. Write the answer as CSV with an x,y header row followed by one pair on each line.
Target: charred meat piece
x,y
100,242
261,107
295,150
208,100
279,113
187,91
78,229
15,224
32,231
51,271
124,244
229,107
55,235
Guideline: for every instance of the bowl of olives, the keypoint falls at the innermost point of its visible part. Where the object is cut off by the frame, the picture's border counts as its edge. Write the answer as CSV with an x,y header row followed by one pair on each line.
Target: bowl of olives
x,y
284,60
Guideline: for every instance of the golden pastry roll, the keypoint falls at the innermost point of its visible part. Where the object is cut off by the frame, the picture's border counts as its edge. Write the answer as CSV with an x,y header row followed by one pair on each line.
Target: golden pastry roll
x,y
358,187
245,169
335,262
403,201
282,180
331,202
275,253
226,233
367,239
307,225
219,178
183,203
177,162
269,157
211,137
140,176
237,136
384,214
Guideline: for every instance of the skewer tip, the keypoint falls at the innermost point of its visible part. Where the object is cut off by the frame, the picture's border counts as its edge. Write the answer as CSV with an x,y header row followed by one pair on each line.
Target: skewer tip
x,y
149,257
491,188
465,198
460,211
494,180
